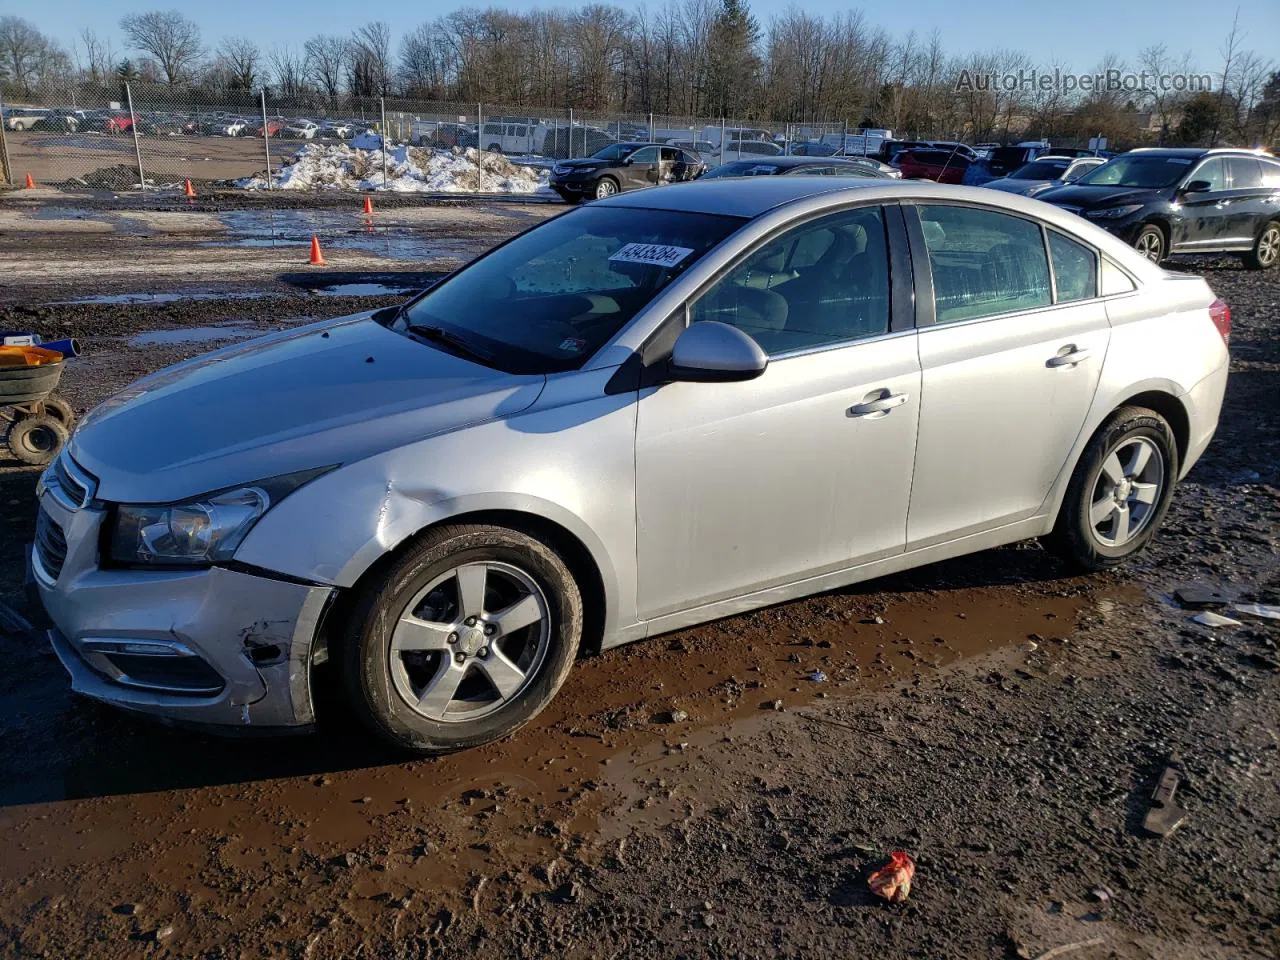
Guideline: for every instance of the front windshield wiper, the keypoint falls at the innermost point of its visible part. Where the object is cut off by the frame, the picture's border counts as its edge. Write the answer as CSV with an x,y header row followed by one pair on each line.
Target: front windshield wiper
x,y
460,345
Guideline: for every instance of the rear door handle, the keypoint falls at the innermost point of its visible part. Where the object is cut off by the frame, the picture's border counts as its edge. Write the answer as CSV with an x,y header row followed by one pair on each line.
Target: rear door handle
x,y
1068,356
877,402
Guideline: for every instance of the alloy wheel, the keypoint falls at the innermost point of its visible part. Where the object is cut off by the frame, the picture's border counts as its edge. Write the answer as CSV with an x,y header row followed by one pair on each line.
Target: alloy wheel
x,y
470,641
1127,491
605,188
1269,246
1151,246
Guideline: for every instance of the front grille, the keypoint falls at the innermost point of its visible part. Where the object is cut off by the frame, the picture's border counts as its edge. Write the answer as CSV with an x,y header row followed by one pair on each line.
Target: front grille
x,y
51,545
76,491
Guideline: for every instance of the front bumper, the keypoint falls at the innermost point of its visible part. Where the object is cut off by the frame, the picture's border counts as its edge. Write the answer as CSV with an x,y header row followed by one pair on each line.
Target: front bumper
x,y
214,647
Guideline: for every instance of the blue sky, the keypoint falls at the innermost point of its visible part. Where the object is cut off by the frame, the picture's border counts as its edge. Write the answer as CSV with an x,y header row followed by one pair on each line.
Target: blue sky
x,y
1078,33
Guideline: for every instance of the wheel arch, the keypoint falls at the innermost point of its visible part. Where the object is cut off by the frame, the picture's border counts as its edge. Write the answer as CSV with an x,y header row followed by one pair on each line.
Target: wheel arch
x,y
1168,406
598,600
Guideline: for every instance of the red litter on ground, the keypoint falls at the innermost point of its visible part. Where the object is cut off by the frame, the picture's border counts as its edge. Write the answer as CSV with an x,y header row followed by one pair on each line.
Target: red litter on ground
x,y
893,880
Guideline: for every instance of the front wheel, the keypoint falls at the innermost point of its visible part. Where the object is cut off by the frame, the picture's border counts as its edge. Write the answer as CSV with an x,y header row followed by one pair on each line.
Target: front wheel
x,y
464,639
605,187
1119,492
1150,243
36,440
1266,249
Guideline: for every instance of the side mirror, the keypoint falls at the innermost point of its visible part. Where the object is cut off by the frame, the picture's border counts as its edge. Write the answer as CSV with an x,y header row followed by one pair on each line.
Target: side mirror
x,y
1197,186
714,352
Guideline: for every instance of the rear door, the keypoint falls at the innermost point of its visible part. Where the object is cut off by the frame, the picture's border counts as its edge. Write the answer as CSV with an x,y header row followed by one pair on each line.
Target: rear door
x,y
1250,203
1010,361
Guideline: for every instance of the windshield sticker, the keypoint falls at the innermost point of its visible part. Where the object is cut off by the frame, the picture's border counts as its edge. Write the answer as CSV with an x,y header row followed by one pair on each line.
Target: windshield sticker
x,y
572,345
657,254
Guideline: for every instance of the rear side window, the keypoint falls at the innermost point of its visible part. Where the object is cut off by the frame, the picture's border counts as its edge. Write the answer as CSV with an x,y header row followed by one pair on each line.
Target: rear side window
x,y
1115,280
1075,269
1245,172
1270,173
984,263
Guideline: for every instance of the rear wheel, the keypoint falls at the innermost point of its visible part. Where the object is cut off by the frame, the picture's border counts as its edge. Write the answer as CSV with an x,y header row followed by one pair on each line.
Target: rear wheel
x,y
1150,243
1266,249
1119,491
463,640
59,409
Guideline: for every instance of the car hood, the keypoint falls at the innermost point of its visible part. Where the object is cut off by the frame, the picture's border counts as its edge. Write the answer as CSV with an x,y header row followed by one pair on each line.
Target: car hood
x,y
1089,197
1009,185
585,163
328,393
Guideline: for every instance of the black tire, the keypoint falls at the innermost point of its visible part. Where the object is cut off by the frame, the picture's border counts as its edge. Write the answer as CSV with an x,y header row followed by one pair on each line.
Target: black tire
x,y
365,656
605,187
59,409
1074,537
1151,243
1266,249
495,148
37,440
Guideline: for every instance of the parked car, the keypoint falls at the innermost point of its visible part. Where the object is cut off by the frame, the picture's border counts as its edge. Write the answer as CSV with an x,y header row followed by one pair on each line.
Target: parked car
x,y
796,166
623,166
233,127
929,163
561,142
1044,172
23,118
337,129
59,121
301,129
443,135
650,412
1166,200
705,149
270,128
760,148
886,169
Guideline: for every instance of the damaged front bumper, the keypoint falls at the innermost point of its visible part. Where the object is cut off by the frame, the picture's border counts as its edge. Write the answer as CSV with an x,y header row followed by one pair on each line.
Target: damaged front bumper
x,y
214,647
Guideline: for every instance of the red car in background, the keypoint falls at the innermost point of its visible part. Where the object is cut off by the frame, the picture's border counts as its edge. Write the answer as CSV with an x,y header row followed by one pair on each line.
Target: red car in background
x,y
118,123
272,128
944,166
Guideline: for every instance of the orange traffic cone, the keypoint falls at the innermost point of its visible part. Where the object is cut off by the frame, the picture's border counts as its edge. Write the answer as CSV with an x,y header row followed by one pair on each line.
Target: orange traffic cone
x,y
189,190
31,184
368,206
317,258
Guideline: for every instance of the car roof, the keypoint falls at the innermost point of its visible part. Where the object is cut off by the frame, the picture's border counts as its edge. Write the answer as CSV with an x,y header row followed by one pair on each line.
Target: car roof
x,y
795,160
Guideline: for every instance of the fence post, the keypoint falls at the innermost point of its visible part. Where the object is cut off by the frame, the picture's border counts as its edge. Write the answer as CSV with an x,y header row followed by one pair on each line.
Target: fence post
x,y
571,134
382,112
5,170
266,136
844,140
137,147
722,133
653,134
480,148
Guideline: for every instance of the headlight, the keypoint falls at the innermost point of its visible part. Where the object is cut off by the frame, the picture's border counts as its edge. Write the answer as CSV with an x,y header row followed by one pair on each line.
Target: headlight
x,y
200,531
560,170
1110,213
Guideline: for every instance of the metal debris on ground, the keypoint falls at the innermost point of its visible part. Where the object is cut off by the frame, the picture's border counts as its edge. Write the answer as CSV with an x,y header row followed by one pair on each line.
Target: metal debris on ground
x,y
893,880
1198,596
818,676
1164,816
1208,618
1263,610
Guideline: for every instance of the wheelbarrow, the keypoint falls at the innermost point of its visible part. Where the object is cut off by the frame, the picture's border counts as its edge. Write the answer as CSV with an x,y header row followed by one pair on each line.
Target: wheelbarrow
x,y
39,422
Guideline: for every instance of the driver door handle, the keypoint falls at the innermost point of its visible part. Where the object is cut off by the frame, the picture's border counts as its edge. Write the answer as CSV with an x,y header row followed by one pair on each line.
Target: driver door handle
x,y
882,401
1068,356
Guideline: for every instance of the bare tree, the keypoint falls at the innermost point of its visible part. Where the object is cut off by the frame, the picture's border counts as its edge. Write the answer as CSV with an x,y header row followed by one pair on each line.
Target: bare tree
x,y
27,57
169,37
372,59
99,61
242,60
326,60
1230,52
289,68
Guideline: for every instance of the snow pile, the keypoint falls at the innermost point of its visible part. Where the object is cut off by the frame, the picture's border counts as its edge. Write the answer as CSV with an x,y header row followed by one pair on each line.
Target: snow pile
x,y
409,170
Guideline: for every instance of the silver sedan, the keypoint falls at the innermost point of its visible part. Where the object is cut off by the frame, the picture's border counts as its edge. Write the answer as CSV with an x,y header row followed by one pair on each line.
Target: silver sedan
x,y
649,412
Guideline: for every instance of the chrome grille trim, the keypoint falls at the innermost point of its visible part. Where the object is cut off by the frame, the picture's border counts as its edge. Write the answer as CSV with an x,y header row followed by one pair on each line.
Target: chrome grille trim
x,y
72,486
51,545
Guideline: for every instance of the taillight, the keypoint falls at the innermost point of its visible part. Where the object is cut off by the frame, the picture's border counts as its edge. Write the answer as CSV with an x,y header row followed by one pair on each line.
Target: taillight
x,y
1220,314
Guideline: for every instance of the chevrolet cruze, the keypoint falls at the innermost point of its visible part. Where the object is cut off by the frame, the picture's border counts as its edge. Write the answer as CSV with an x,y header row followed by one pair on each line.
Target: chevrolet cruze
x,y
658,409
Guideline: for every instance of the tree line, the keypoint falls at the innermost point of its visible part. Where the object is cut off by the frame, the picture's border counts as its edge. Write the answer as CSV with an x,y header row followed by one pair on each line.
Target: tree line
x,y
685,59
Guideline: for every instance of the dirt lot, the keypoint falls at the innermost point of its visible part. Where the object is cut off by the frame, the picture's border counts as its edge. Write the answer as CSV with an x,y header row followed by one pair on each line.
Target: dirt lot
x,y
1001,721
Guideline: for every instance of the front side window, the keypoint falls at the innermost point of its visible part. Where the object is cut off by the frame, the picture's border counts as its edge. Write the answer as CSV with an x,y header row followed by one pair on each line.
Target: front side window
x,y
1075,269
984,263
1213,172
550,298
820,283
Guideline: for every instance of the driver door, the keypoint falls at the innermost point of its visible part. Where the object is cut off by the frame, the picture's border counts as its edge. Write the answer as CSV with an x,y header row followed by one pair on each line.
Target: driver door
x,y
641,170
804,470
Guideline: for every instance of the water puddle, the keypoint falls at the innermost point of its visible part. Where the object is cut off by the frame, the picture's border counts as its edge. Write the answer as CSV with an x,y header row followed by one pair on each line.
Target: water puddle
x,y
149,298
169,338
295,228
363,290
126,225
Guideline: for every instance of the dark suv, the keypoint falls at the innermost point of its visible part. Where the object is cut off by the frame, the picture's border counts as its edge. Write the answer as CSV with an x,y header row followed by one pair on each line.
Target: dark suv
x,y
1165,201
623,166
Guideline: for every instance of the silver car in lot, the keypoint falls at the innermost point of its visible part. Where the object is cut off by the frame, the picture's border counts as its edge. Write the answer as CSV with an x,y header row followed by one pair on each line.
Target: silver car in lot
x,y
652,411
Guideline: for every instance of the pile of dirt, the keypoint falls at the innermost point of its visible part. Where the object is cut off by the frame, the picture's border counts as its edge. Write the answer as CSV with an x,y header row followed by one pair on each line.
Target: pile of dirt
x,y
118,177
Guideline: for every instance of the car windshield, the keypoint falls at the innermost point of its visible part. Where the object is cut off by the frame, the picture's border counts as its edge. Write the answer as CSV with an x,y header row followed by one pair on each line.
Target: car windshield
x,y
616,151
1136,170
550,298
1040,170
743,168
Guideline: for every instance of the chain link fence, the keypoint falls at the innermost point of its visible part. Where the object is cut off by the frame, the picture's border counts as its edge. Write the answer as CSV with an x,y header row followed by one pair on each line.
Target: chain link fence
x,y
142,136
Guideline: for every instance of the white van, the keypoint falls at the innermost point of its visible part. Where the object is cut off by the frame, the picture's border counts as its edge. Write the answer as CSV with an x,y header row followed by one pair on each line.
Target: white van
x,y
512,136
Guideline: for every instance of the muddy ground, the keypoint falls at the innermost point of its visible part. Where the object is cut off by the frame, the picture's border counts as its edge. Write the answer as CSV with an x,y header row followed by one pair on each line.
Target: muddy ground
x,y
1001,721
